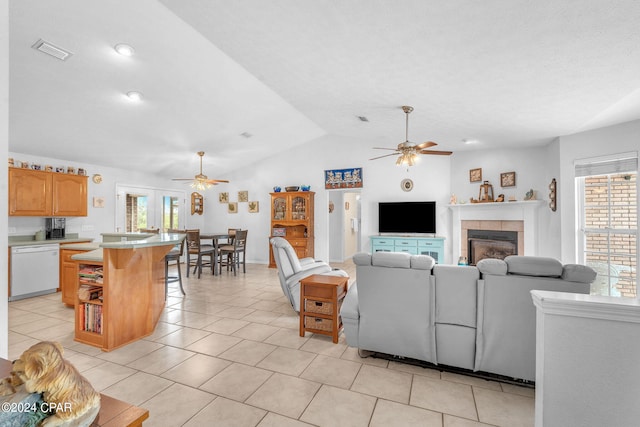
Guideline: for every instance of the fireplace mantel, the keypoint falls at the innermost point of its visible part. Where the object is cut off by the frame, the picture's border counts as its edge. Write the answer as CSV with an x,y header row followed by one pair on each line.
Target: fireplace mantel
x,y
526,211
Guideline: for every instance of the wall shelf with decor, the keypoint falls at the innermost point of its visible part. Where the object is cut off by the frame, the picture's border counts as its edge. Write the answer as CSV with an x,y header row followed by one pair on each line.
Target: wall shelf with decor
x,y
292,219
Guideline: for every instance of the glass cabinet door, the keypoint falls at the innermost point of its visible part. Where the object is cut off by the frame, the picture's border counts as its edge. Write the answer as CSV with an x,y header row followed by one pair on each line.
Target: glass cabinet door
x,y
299,206
279,208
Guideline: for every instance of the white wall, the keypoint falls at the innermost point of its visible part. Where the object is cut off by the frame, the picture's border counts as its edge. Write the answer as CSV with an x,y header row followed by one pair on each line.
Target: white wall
x,y
4,146
606,141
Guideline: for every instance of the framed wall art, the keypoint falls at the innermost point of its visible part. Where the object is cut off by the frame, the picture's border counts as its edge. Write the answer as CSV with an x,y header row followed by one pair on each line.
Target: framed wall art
x,y
233,207
223,197
475,175
243,196
508,179
254,207
343,178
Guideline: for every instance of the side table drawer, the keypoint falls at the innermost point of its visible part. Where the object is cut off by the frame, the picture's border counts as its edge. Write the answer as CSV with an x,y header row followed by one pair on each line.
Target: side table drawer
x,y
319,307
319,323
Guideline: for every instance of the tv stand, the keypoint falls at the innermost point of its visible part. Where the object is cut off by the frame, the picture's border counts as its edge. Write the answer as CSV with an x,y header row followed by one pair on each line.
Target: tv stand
x,y
432,246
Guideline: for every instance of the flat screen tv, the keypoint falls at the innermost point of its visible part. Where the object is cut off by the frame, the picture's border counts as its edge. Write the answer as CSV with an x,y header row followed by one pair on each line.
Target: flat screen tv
x,y
407,217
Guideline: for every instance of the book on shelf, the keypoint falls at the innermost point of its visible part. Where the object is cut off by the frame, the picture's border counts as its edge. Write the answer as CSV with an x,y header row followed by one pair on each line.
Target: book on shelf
x,y
88,292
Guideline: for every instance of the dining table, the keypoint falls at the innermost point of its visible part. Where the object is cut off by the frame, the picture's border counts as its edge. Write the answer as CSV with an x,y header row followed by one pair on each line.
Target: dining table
x,y
215,239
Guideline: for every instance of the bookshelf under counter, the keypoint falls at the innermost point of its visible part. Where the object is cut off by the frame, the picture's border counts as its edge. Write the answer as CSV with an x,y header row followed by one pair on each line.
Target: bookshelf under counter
x,y
120,292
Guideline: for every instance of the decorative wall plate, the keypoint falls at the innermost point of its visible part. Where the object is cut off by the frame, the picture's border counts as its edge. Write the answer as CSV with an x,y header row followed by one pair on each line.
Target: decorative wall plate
x,y
406,185
97,178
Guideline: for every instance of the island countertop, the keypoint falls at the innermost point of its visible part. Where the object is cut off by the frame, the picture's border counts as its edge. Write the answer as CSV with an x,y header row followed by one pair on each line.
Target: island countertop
x,y
154,240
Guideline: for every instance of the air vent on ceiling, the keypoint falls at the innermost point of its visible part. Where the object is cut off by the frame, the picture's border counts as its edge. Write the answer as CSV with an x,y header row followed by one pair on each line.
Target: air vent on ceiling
x,y
49,49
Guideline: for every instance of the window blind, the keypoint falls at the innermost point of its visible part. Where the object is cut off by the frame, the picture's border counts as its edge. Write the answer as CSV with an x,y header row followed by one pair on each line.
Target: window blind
x,y
590,167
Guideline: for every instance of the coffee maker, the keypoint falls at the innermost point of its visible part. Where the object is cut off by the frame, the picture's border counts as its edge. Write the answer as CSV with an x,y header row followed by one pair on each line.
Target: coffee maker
x,y
55,228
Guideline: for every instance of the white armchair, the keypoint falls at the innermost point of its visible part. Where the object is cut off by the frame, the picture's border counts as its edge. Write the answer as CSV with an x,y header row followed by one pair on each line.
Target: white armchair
x,y
292,269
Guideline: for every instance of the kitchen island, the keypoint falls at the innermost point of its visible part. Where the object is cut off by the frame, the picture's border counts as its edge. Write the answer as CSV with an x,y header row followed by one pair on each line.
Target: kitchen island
x,y
121,290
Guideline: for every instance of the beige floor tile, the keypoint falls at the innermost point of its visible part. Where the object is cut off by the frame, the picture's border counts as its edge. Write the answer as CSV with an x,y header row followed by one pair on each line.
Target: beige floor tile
x,y
516,389
248,352
175,405
137,388
196,370
331,371
226,326
472,381
27,328
384,383
351,353
82,362
214,344
414,369
196,320
265,305
162,329
322,344
395,414
107,374
236,312
504,409
287,361
285,338
284,395
183,337
256,331
451,421
15,350
227,413
130,352
237,381
276,420
161,360
443,396
333,406
261,316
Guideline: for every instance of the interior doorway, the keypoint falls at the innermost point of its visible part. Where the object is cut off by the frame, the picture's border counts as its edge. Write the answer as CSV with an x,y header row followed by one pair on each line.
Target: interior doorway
x,y
344,224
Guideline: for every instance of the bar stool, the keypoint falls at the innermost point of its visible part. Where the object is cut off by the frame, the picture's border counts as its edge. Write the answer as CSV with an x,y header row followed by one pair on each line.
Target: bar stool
x,y
174,255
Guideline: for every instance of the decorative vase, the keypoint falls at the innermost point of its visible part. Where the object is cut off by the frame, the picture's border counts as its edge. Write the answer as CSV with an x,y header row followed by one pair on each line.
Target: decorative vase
x,y
277,189
305,187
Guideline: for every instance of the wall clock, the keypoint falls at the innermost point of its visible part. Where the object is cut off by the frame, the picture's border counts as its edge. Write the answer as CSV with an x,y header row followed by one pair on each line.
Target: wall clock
x,y
406,185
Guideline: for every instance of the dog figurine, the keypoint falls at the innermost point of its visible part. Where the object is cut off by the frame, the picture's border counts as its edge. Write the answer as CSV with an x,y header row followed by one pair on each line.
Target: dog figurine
x,y
42,369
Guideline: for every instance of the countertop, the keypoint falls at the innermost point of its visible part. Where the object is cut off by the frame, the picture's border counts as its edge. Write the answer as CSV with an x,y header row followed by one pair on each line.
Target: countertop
x,y
30,240
155,240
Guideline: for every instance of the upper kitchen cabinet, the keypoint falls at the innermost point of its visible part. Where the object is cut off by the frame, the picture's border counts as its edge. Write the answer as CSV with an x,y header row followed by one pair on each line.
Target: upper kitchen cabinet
x,y
39,193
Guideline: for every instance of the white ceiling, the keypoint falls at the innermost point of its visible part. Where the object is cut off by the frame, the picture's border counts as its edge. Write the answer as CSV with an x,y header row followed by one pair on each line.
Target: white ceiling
x,y
505,73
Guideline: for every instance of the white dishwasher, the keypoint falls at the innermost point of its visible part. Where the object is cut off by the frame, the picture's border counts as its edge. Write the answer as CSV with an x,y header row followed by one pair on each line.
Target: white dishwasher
x,y
35,270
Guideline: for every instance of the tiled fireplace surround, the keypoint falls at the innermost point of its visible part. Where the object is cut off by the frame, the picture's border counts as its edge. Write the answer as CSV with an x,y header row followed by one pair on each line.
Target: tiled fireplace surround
x,y
521,217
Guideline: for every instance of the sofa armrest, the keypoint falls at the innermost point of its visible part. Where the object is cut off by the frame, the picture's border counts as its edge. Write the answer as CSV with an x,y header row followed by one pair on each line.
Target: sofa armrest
x,y
350,308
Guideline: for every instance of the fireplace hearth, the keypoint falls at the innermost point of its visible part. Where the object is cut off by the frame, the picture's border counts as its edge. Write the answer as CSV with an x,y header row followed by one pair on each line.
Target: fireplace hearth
x,y
491,244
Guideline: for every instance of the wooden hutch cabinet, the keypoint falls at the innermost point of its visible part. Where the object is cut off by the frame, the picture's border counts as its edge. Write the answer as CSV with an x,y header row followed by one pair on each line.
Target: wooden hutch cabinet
x,y
292,218
40,193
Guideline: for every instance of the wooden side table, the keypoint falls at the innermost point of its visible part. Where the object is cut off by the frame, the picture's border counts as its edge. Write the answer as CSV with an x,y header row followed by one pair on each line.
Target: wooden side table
x,y
320,300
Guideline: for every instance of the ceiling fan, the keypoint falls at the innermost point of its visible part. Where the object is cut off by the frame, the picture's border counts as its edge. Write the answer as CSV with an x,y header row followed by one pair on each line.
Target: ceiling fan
x,y
201,181
408,151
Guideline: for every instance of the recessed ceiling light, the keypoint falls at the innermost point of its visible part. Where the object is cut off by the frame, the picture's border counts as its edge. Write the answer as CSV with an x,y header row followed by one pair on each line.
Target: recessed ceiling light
x,y
134,96
125,49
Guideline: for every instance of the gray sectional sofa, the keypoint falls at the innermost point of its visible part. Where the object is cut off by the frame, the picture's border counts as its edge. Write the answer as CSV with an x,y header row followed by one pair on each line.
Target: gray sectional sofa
x,y
476,318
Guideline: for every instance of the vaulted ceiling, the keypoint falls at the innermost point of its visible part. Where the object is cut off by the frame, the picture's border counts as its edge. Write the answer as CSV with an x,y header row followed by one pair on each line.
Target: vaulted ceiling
x,y
243,80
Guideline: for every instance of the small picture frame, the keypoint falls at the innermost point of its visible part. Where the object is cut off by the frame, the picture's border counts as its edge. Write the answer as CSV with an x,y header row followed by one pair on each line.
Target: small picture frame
x,y
279,232
233,207
254,207
475,175
223,197
98,202
243,196
508,179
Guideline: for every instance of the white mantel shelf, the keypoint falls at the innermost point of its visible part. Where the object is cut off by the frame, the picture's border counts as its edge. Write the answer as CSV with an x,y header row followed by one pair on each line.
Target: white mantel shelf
x,y
526,211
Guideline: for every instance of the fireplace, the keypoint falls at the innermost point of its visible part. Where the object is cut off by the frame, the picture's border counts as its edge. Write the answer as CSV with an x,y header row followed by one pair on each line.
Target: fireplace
x,y
491,244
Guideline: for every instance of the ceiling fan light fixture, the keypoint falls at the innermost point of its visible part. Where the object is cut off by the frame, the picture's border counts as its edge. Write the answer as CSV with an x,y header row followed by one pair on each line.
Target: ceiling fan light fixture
x,y
134,96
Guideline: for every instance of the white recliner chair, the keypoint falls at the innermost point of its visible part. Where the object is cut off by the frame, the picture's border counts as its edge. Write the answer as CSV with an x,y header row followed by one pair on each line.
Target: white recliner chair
x,y
292,269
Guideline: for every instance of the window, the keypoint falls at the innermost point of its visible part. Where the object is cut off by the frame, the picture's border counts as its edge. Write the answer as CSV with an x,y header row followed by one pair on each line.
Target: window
x,y
608,218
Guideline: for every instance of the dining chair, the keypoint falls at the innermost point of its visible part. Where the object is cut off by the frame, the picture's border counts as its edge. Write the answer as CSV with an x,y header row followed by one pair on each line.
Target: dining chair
x,y
149,230
232,252
198,250
174,255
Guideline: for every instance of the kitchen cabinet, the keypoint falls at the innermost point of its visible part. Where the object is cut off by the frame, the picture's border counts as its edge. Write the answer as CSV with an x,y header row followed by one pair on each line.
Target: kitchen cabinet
x,y
69,274
40,193
292,219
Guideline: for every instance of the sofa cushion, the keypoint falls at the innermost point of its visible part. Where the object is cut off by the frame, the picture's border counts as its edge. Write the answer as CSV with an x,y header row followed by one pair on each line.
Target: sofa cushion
x,y
492,266
362,258
578,273
391,259
533,266
422,262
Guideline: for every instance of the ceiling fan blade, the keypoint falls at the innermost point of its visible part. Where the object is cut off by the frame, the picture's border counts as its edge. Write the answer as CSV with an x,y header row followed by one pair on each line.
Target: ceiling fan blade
x,y
437,153
381,148
386,155
215,181
426,144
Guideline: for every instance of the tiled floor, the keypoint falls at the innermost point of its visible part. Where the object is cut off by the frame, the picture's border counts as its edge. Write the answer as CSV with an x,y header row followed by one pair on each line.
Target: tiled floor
x,y
229,354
